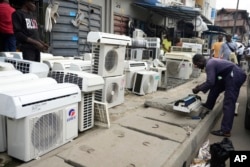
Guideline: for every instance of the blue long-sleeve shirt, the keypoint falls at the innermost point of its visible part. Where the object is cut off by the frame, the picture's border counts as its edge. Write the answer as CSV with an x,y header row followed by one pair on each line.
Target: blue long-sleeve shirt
x,y
214,68
225,51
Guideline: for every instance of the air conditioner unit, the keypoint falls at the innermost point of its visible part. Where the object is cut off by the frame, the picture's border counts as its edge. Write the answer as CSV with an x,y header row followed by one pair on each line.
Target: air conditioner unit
x,y
129,70
48,56
81,66
6,66
18,78
145,82
109,53
88,83
197,48
35,135
25,66
162,83
107,38
10,73
17,55
22,103
64,64
113,91
180,69
16,86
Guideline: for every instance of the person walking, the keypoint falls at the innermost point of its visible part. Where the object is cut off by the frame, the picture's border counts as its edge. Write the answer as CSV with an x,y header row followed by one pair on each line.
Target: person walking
x,y
222,76
216,47
7,40
228,50
26,31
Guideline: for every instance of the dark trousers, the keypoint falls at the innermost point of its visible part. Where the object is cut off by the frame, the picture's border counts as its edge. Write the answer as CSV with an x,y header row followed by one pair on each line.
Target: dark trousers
x,y
231,85
7,42
30,52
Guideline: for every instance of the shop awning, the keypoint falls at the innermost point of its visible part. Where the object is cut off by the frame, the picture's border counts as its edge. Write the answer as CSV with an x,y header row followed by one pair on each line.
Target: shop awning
x,y
214,29
175,12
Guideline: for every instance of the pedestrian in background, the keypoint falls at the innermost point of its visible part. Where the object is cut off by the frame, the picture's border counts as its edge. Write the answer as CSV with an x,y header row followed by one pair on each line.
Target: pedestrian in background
x,y
222,76
7,37
215,50
166,44
228,50
26,31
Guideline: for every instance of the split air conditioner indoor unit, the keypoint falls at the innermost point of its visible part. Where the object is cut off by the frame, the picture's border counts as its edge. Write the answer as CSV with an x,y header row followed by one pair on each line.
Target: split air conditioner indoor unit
x,y
88,84
145,82
10,73
26,66
18,78
84,65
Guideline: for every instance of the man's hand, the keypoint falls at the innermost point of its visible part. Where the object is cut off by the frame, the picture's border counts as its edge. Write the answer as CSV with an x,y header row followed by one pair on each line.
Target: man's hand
x,y
195,90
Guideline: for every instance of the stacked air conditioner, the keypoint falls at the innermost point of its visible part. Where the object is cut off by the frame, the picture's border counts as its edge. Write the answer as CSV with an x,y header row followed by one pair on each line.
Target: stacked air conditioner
x,y
108,62
179,63
88,84
40,119
17,55
25,66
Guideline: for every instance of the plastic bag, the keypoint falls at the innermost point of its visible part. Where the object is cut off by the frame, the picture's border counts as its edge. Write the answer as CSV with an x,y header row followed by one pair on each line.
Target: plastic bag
x,y
220,152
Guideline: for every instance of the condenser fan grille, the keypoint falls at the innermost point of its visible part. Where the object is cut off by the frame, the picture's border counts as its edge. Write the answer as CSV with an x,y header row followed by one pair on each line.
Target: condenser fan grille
x,y
112,92
73,78
24,67
147,84
57,75
111,60
46,132
173,68
88,116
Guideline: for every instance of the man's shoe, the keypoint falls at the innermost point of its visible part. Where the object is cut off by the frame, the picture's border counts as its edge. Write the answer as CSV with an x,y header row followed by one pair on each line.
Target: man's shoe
x,y
221,133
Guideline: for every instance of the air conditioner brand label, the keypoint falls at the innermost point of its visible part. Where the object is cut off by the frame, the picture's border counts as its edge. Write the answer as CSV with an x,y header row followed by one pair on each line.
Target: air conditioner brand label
x,y
71,115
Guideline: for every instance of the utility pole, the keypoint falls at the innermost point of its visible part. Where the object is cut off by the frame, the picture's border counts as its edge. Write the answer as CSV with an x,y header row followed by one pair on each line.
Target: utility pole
x,y
235,17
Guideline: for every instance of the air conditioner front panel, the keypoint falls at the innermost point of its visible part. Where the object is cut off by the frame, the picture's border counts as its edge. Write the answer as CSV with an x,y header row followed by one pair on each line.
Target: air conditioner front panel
x,y
113,91
36,135
108,60
17,55
18,78
6,66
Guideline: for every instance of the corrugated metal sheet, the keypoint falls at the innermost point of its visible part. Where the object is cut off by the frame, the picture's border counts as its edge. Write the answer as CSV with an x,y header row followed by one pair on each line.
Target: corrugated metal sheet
x,y
68,40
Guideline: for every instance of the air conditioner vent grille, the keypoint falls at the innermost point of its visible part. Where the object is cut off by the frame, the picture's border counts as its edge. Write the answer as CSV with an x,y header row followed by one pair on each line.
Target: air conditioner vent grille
x,y
98,95
24,67
87,110
46,132
73,78
137,65
57,75
96,57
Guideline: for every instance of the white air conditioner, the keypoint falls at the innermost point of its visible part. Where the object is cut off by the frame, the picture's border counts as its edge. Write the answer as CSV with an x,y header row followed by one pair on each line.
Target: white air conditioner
x,y
180,69
49,56
197,48
18,78
25,66
22,103
162,71
16,86
88,83
81,66
113,91
129,70
108,60
145,82
6,66
64,64
34,135
17,55
10,73
107,38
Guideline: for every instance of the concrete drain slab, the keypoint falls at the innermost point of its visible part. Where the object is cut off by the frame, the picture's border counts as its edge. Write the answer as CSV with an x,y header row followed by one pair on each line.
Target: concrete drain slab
x,y
155,128
120,146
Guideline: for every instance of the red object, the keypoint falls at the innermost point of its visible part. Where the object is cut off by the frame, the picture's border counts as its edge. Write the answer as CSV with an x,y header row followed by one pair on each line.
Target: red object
x,y
6,11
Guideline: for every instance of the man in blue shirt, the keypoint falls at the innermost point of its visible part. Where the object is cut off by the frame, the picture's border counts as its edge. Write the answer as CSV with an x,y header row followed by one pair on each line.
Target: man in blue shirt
x,y
227,48
222,75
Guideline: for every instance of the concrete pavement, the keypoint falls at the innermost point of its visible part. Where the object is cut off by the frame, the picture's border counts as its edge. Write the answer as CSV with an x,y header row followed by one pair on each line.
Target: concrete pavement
x,y
139,136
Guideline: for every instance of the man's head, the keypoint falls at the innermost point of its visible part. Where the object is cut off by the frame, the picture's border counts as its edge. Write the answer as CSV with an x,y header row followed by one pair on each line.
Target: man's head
x,y
199,61
220,38
228,38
